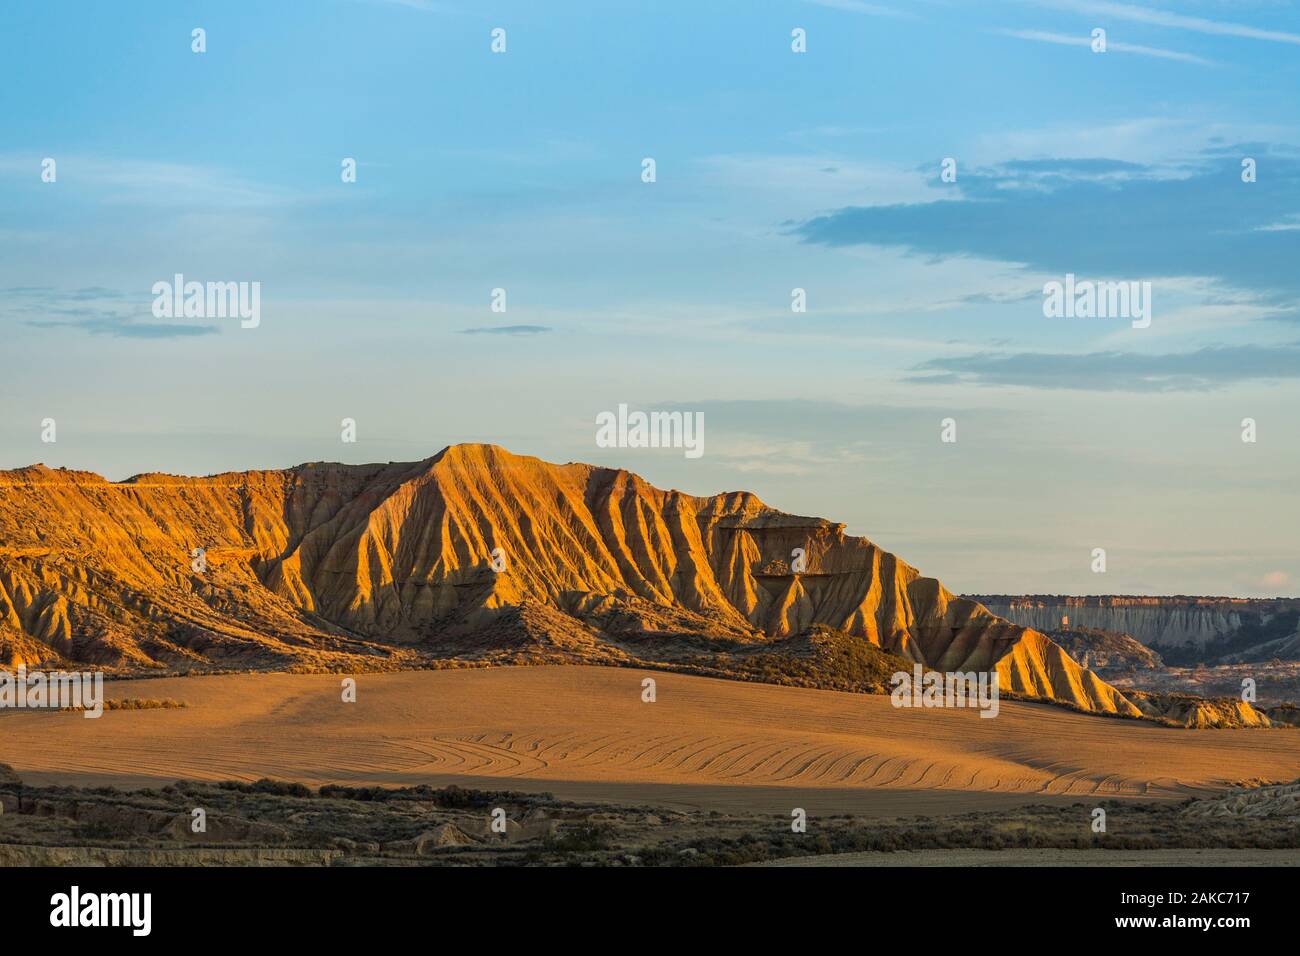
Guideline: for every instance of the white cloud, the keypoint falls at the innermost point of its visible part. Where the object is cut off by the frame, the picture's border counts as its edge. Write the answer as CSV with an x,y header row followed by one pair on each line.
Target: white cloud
x,y
151,182
1044,36
866,9
818,182
425,6
1177,21
1164,141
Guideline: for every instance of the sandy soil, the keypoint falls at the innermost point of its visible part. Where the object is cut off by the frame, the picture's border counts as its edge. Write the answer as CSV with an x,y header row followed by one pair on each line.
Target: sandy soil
x,y
584,734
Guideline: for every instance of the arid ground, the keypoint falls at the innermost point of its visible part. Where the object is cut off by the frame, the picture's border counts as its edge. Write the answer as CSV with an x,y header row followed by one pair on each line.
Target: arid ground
x,y
583,733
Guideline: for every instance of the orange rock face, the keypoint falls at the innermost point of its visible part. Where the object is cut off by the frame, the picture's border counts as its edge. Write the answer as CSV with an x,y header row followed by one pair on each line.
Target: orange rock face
x,y
338,566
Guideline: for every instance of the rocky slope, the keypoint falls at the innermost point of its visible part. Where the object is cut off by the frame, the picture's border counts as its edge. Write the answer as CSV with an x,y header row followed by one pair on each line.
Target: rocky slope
x,y
1279,801
1105,650
473,550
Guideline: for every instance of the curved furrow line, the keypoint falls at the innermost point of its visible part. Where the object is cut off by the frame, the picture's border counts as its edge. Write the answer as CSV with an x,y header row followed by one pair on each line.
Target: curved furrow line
x,y
496,761
905,765
597,756
704,757
759,758
740,760
650,748
877,769
831,769
802,755
675,761
857,768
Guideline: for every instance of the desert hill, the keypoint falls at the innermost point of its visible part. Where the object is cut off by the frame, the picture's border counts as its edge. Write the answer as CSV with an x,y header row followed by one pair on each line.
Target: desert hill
x,y
472,552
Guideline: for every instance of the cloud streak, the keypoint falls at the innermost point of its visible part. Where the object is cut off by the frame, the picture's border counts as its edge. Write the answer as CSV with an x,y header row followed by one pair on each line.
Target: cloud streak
x,y
124,328
861,7
84,309
1097,219
1044,36
1202,370
507,330
155,182
1176,21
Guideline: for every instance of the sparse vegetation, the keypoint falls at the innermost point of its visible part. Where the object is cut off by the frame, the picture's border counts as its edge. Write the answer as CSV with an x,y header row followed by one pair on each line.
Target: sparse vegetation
x,y
581,839
818,656
271,821
135,703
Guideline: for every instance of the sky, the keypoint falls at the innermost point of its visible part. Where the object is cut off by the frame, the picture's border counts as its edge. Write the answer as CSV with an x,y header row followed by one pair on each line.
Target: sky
x,y
774,170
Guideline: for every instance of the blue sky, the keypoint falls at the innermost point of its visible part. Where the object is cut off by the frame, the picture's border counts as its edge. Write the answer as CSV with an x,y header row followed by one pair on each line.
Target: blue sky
x,y
775,170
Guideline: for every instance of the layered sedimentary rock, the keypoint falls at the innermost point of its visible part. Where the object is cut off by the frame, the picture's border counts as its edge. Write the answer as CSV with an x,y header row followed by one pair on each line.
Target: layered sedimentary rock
x,y
329,565
1183,629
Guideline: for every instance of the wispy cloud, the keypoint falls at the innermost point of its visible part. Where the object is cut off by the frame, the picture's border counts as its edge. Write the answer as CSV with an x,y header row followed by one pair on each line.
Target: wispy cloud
x,y
819,181
425,6
1137,223
1202,370
125,328
94,310
1163,18
867,9
153,182
1165,141
1044,36
507,330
